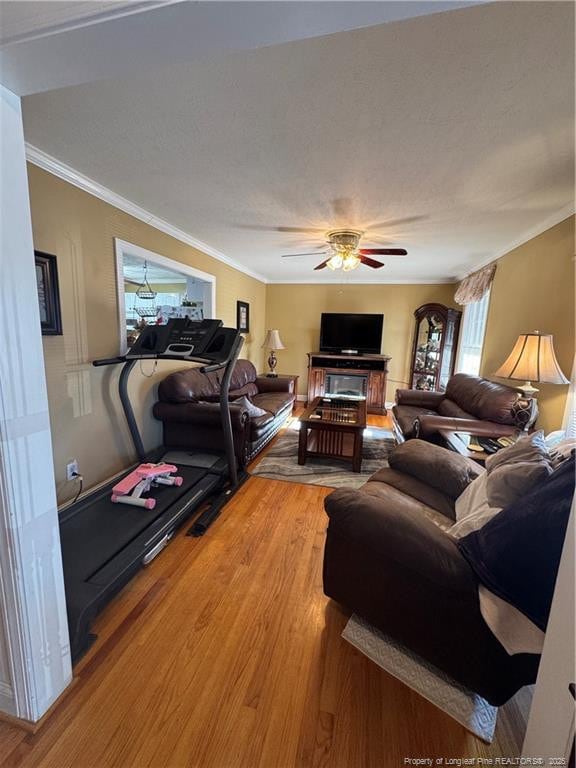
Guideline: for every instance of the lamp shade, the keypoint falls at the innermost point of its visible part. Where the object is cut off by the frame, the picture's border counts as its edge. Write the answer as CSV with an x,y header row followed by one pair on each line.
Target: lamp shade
x,y
273,340
533,359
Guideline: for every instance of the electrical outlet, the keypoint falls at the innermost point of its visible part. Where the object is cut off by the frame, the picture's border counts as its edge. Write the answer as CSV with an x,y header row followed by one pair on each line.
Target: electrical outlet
x,y
71,469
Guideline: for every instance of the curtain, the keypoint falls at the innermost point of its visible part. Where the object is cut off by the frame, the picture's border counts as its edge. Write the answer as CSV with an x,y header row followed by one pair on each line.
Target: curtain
x,y
473,287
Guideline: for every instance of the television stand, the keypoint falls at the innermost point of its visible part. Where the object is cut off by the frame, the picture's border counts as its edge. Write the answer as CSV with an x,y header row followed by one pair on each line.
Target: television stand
x,y
350,376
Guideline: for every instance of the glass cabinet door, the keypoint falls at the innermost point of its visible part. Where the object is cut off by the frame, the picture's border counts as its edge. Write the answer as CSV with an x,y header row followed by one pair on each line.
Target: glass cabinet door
x,y
435,342
429,332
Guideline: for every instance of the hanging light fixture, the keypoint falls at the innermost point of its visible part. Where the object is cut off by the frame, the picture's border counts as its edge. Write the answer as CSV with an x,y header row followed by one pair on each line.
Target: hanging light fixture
x,y
144,290
344,246
145,293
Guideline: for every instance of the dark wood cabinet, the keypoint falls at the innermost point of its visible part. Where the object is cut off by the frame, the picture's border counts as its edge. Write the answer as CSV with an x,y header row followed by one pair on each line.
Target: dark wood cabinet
x,y
434,347
349,375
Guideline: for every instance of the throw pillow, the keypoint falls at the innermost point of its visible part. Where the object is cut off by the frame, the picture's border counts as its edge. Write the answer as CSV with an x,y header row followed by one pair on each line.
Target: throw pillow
x,y
509,482
253,410
527,448
514,471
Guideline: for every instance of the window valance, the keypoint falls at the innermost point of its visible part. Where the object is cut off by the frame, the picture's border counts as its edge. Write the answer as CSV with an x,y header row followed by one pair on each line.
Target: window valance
x,y
473,287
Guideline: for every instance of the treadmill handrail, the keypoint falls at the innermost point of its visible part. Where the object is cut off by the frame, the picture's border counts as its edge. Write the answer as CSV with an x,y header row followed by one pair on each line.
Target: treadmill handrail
x,y
228,365
109,361
208,367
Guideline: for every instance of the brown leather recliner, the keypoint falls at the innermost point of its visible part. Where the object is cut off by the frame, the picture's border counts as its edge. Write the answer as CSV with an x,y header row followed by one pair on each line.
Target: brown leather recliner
x,y
389,559
189,409
469,404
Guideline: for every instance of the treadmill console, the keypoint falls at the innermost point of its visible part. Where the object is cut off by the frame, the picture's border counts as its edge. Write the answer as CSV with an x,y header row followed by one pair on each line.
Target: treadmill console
x,y
185,339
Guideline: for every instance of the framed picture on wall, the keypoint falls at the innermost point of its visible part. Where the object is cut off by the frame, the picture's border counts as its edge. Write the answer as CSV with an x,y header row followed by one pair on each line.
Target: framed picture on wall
x,y
48,294
243,316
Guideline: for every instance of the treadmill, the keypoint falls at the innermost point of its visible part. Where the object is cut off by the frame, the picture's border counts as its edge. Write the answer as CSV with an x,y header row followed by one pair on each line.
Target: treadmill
x,y
105,544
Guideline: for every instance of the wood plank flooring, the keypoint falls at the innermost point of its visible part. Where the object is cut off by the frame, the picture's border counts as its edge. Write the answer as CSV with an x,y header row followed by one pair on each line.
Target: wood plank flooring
x,y
224,653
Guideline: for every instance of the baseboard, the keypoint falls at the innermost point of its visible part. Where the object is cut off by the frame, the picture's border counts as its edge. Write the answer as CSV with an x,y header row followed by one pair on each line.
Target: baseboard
x,y
28,725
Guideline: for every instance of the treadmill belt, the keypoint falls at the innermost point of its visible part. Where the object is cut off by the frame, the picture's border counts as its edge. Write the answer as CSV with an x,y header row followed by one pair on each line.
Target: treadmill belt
x,y
100,529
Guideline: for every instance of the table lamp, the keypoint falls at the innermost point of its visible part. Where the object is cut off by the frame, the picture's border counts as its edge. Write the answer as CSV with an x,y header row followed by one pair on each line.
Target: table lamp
x,y
532,359
272,342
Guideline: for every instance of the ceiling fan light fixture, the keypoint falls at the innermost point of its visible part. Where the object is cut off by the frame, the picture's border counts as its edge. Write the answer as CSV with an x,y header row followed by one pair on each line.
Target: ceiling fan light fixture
x,y
335,261
350,262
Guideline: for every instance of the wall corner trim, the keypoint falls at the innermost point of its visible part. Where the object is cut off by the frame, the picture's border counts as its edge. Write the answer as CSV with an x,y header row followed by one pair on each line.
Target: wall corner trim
x,y
67,173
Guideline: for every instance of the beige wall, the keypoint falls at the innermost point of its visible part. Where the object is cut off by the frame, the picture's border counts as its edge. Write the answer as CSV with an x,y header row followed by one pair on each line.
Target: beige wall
x,y
295,310
533,289
87,423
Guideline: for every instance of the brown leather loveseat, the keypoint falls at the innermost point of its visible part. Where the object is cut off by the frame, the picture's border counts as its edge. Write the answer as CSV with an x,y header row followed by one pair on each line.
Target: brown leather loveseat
x,y
469,404
189,408
390,559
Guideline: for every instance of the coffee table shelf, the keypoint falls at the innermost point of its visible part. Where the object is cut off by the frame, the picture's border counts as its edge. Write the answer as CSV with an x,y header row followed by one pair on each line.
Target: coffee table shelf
x,y
333,429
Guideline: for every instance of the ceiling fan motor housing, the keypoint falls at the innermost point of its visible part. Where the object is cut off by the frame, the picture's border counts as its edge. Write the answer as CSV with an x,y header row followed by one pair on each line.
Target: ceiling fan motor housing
x,y
347,238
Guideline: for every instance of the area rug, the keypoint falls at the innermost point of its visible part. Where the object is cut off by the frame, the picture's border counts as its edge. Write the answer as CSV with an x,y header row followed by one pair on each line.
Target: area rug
x,y
281,461
464,706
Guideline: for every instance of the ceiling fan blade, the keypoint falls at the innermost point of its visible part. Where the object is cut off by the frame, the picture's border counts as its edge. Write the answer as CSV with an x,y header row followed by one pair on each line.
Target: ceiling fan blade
x,y
291,255
382,252
371,262
322,265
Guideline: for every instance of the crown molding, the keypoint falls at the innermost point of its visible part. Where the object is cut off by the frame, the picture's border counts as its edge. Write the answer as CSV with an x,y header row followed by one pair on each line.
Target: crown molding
x,y
335,281
118,10
66,173
61,170
538,229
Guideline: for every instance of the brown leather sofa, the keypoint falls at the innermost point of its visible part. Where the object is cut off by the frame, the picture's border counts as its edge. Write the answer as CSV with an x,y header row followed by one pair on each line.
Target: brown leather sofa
x,y
189,409
389,559
469,404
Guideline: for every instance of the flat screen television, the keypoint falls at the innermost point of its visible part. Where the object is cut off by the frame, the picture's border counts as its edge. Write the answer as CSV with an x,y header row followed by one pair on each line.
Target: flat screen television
x,y
353,334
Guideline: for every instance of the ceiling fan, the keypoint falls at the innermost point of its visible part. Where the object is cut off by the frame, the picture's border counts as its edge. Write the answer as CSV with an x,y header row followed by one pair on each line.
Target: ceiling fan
x,y
345,254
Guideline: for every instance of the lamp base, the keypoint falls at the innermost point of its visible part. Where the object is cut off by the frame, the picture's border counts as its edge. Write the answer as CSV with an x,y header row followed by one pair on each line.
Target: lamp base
x,y
272,365
525,411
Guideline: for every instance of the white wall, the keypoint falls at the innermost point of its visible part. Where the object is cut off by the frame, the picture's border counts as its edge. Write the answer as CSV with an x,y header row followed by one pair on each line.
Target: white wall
x,y
34,648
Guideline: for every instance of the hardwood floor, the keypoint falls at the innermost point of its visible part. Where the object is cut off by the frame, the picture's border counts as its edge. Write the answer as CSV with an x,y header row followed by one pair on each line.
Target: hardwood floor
x,y
225,653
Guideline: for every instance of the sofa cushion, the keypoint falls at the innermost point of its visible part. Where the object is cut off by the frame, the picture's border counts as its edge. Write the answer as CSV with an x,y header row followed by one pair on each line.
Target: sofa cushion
x,y
452,410
244,373
442,469
253,410
405,503
248,390
274,402
482,398
189,386
411,486
406,415
259,425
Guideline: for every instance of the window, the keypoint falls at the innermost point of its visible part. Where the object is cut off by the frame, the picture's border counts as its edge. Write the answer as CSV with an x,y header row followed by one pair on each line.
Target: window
x,y
152,289
472,336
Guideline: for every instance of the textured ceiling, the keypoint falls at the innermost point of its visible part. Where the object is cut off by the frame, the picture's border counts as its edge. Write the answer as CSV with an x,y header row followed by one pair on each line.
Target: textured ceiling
x,y
451,135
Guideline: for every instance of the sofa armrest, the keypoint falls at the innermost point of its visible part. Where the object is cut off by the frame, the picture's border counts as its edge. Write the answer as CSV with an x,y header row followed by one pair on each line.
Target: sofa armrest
x,y
275,384
428,424
444,470
419,397
201,414
407,544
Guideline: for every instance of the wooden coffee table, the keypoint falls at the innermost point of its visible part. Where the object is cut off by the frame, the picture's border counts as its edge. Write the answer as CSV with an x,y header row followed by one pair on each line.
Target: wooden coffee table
x,y
333,428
